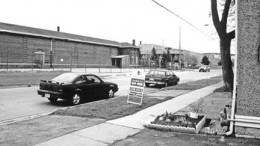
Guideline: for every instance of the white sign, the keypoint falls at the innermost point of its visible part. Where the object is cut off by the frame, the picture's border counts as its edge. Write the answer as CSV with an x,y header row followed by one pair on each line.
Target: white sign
x,y
136,89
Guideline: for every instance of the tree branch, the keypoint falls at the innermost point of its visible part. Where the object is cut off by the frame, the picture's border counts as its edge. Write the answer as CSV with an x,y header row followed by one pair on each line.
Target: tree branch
x,y
231,34
225,14
215,17
214,12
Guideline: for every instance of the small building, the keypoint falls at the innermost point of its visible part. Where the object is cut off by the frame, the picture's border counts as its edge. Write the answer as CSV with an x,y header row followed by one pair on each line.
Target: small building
x,y
178,56
146,53
22,46
121,61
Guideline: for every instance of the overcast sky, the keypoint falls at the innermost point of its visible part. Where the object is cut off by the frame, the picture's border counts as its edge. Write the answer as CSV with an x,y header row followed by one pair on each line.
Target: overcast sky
x,y
119,20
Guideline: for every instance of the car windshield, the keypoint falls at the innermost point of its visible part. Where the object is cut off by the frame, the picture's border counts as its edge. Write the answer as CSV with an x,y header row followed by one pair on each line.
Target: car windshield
x,y
66,77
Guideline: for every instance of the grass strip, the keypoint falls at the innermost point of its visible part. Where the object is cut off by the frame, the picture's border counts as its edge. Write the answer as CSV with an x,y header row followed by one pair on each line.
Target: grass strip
x,y
9,79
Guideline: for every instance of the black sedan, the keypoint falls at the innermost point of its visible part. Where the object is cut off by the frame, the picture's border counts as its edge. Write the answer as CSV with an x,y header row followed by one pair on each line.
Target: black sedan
x,y
75,87
161,77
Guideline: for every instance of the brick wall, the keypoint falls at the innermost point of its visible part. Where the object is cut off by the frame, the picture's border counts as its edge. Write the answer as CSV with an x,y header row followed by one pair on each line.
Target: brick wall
x,y
21,50
133,55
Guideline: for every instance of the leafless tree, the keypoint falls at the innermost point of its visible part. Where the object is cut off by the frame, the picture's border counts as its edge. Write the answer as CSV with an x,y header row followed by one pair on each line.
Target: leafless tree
x,y
225,40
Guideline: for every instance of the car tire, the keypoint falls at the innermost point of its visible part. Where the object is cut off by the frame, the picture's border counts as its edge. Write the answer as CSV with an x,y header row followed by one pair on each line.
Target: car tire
x,y
75,99
110,93
147,84
51,99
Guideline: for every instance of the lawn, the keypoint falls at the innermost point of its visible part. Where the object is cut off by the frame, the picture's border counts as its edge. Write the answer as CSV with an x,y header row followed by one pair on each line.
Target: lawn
x,y
196,84
13,79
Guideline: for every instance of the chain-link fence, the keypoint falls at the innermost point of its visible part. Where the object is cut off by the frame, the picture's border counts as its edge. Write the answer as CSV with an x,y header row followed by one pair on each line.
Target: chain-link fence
x,y
37,62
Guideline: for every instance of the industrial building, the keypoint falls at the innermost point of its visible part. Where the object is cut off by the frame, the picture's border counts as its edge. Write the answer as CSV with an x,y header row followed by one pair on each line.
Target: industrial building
x,y
22,47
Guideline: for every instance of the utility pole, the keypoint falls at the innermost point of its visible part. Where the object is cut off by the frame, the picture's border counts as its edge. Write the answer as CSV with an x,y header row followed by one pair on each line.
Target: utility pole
x,y
51,54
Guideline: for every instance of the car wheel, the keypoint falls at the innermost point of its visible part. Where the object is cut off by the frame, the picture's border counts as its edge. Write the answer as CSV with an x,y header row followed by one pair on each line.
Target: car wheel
x,y
110,93
51,99
76,99
200,70
147,84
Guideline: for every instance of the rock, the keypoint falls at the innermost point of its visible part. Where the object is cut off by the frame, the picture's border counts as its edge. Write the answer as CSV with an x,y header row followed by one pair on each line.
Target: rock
x,y
168,120
161,119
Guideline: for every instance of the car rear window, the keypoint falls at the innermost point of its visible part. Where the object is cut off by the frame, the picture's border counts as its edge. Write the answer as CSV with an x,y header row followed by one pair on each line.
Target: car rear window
x,y
160,73
66,77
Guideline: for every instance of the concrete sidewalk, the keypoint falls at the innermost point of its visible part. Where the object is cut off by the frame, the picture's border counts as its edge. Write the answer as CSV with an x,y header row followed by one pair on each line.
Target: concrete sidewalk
x,y
111,131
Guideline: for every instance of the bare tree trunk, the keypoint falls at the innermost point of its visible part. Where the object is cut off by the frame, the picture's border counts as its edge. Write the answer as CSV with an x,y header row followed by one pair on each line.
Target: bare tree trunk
x,y
228,75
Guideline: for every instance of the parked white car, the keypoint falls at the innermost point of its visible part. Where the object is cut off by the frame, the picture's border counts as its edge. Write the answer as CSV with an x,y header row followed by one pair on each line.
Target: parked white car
x,y
204,69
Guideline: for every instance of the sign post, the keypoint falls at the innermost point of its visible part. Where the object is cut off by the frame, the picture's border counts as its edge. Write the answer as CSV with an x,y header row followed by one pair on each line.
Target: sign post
x,y
136,90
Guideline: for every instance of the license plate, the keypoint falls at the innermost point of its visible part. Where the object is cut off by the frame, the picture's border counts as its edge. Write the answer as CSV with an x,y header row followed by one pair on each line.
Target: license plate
x,y
47,96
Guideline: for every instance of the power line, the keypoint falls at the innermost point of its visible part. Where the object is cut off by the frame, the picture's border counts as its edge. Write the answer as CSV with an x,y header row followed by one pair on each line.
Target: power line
x,y
183,19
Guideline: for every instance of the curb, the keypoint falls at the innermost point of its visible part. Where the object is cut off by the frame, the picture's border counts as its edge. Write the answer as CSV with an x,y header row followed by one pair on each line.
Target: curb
x,y
10,121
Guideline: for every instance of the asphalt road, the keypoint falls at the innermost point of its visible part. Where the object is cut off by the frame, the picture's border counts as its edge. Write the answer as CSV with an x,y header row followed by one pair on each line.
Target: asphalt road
x,y
24,102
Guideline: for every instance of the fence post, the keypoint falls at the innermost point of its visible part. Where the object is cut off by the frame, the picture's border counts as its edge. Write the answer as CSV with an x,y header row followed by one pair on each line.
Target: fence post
x,y
7,61
86,61
32,60
52,60
85,67
143,65
70,62
99,65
